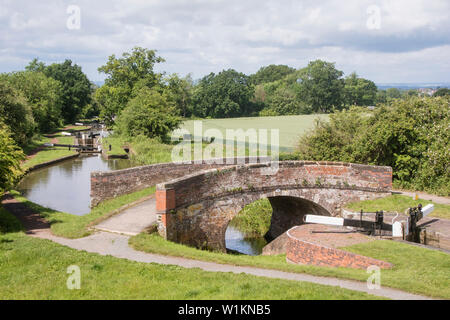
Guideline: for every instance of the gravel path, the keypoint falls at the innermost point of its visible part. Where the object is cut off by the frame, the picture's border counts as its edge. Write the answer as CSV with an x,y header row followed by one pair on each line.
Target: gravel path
x,y
425,196
116,245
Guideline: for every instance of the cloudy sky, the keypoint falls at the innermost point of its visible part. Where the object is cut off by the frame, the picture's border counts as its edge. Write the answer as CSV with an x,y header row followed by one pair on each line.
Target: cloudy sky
x,y
384,40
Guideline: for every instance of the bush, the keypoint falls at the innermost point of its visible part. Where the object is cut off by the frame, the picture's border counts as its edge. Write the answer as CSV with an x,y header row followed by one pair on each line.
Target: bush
x,y
16,112
10,157
148,114
409,135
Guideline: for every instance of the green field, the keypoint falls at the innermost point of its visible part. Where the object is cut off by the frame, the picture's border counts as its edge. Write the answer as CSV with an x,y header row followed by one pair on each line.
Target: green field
x,y
291,127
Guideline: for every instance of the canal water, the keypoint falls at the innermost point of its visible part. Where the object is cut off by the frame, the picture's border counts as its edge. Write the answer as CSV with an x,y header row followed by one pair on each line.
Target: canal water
x,y
66,187
237,241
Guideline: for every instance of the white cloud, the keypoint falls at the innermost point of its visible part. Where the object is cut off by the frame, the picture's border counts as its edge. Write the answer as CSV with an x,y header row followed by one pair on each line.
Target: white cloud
x,y
203,36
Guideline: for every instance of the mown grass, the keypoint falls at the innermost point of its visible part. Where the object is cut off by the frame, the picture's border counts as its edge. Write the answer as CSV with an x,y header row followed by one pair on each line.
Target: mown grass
x,y
291,127
399,203
48,153
116,143
152,151
416,270
37,269
72,226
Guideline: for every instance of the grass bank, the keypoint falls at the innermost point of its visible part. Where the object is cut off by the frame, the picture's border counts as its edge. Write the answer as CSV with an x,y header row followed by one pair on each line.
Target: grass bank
x,y
37,269
39,156
416,270
117,144
72,226
399,203
254,219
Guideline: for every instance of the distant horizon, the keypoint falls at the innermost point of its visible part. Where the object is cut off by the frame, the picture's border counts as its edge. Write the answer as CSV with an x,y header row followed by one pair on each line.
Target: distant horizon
x,y
412,85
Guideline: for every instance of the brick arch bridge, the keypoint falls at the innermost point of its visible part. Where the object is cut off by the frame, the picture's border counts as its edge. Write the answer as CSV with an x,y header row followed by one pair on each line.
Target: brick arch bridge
x,y
196,209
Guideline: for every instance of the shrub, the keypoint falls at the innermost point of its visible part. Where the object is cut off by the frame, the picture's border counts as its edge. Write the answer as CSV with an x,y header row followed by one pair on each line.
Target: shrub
x,y
409,135
148,114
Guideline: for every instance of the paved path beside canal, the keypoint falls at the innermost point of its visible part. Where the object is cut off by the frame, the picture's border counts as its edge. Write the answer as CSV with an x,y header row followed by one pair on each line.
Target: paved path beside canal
x,y
424,196
131,221
116,245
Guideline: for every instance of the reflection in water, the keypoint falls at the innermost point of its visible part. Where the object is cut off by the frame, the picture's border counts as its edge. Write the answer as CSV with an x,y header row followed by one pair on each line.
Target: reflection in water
x,y
66,186
237,241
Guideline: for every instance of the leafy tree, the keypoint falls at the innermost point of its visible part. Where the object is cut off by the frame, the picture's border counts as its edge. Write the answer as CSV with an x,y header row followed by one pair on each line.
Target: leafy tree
x,y
76,88
321,86
125,77
442,92
112,100
270,73
225,95
412,93
410,135
35,66
180,92
392,94
44,95
131,68
15,111
92,110
149,114
10,158
381,97
359,91
285,101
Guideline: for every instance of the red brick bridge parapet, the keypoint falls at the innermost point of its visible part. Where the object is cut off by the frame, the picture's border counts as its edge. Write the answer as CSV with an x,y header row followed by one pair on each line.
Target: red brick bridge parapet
x,y
196,209
109,185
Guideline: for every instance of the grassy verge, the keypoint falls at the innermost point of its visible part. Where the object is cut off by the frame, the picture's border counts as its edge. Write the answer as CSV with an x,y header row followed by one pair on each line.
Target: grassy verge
x,y
416,270
72,226
37,269
399,203
47,154
116,144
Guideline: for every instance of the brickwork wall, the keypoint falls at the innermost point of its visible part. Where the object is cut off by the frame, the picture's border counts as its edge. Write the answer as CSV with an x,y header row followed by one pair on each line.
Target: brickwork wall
x,y
303,252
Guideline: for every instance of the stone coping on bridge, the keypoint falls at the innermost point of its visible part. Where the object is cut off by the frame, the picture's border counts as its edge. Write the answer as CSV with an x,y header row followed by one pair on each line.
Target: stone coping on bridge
x,y
304,252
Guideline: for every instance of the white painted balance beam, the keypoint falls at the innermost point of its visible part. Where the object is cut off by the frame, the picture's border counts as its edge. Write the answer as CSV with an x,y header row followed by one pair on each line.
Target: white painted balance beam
x,y
427,209
324,220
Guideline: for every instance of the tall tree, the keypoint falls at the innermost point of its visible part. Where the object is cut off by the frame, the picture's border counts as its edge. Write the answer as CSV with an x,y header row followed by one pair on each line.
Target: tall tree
x,y
321,86
126,76
15,112
44,95
225,95
271,73
359,91
76,88
180,91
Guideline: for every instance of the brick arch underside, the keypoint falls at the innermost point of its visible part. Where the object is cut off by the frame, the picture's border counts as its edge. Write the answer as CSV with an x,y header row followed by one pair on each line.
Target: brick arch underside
x,y
204,225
